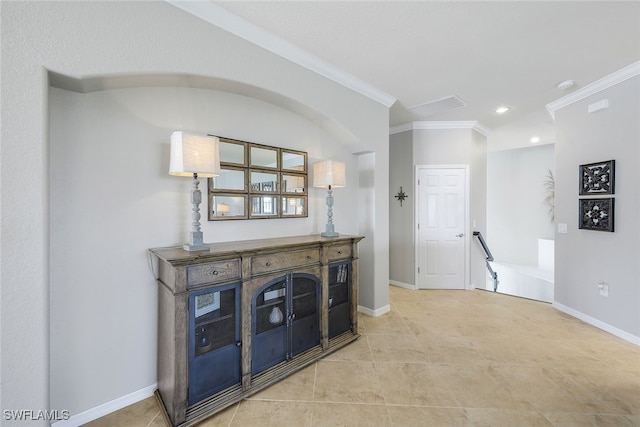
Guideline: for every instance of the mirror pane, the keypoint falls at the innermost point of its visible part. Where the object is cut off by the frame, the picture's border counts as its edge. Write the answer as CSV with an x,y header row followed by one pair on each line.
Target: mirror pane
x,y
229,179
294,206
227,207
264,181
293,161
294,183
231,152
264,157
264,206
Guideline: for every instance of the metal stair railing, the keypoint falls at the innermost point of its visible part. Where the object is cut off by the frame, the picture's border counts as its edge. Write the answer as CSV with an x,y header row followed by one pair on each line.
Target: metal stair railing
x,y
489,258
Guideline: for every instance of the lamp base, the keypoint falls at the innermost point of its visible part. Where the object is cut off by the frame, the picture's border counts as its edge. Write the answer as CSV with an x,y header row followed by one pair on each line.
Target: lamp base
x,y
333,234
195,243
329,231
193,248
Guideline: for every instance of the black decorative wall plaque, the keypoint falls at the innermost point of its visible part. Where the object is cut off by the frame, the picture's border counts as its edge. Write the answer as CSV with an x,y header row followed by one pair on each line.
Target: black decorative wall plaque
x,y
597,178
596,214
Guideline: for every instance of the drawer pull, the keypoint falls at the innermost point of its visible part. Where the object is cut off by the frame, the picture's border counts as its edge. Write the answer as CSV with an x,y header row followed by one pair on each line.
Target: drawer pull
x,y
268,264
339,252
308,256
214,272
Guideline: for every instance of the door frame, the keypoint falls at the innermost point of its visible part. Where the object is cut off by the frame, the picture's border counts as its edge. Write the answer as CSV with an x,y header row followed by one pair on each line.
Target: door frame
x,y
467,228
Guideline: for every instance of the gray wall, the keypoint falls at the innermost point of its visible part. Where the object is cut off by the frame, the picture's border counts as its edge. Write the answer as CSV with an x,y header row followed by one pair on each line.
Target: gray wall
x,y
78,39
435,147
582,258
517,214
109,185
401,231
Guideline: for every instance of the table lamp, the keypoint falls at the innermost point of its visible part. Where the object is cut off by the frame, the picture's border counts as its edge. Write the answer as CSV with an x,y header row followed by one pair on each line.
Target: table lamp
x,y
193,155
329,174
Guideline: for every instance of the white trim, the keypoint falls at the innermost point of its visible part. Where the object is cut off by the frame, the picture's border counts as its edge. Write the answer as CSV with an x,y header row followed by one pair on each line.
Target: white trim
x,y
374,313
222,18
595,87
597,323
467,214
403,285
107,408
441,125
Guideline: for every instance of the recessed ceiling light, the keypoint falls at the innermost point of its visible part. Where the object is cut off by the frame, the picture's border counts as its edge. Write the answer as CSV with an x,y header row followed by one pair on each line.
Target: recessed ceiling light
x,y
535,139
502,110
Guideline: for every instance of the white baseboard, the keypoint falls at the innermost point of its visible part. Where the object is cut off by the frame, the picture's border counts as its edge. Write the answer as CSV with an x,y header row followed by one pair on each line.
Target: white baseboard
x,y
107,408
597,323
374,313
402,285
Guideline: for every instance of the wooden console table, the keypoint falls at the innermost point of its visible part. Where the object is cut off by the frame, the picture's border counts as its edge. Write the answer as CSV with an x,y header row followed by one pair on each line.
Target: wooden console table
x,y
244,315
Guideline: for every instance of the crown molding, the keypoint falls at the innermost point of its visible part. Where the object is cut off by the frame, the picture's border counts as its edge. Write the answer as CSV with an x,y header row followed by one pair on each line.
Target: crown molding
x,y
237,26
595,87
441,125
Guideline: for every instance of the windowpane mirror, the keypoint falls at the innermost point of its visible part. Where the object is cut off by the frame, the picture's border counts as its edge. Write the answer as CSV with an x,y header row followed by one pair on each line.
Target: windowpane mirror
x,y
227,207
264,181
258,181
264,206
294,206
294,183
230,179
294,160
264,157
233,152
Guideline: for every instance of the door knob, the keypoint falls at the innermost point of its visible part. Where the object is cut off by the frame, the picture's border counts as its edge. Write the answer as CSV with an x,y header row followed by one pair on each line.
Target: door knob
x,y
460,235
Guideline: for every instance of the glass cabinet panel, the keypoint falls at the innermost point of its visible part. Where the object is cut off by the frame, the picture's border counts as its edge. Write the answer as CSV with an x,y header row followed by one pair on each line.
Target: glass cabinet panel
x,y
269,337
339,291
286,320
263,157
270,307
305,319
214,337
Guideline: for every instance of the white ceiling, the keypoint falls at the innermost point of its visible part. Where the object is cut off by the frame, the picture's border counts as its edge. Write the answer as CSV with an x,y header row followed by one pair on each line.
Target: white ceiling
x,y
487,54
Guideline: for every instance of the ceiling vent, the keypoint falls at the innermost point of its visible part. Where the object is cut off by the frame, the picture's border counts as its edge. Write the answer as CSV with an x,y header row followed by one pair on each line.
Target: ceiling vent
x,y
439,106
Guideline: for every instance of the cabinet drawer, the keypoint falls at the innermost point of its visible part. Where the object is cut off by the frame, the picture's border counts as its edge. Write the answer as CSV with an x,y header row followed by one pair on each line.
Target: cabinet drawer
x,y
339,252
213,272
283,260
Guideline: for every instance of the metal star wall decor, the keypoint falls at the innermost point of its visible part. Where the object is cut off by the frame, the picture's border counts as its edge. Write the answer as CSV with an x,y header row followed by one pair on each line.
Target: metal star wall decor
x,y
401,196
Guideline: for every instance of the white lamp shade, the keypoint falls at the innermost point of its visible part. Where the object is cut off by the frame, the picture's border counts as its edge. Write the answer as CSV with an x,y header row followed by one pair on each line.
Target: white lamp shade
x,y
191,153
329,173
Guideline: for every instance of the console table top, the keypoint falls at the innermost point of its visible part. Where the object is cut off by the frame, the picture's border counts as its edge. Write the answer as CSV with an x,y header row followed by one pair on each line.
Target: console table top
x,y
176,255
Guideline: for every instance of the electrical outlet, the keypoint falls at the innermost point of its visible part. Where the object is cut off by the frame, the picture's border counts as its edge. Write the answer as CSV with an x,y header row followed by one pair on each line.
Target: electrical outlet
x,y
604,289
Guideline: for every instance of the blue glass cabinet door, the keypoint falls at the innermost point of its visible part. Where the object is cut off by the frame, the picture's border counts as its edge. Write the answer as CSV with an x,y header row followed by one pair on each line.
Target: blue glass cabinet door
x,y
214,341
339,298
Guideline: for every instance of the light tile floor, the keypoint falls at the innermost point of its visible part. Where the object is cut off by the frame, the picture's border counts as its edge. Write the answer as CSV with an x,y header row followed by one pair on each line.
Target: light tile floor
x,y
449,358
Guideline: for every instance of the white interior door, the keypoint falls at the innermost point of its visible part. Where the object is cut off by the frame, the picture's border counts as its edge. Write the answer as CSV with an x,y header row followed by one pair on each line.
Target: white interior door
x,y
441,239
